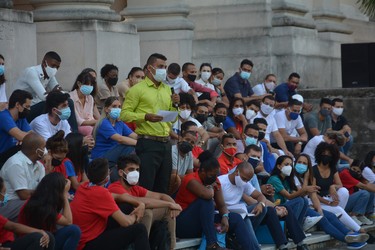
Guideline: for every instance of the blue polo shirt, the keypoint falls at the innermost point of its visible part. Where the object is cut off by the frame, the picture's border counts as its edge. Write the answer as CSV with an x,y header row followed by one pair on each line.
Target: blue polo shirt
x,y
283,93
235,85
104,133
6,124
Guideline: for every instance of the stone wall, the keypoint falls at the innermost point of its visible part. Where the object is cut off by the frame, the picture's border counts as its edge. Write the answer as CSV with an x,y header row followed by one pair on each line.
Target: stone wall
x,y
358,109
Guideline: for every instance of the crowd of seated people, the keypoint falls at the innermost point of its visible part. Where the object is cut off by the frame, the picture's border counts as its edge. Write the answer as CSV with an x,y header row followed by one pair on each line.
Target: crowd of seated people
x,y
177,149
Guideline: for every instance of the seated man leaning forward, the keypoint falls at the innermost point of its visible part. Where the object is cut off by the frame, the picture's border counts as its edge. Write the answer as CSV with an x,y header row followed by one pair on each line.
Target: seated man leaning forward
x,y
158,206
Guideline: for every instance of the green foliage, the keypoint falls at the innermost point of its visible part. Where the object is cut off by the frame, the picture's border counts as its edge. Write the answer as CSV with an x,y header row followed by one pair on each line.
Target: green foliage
x,y
367,7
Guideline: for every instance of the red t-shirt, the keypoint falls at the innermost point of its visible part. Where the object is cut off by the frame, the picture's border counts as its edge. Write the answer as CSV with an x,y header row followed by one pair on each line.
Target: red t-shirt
x,y
91,207
22,219
348,181
136,191
5,235
196,151
184,197
226,164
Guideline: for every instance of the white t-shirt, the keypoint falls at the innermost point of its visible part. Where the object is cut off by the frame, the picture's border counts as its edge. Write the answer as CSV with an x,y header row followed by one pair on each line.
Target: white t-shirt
x,y
19,173
183,163
42,126
180,85
368,175
271,127
311,146
177,125
205,84
32,80
232,193
290,126
259,89
3,95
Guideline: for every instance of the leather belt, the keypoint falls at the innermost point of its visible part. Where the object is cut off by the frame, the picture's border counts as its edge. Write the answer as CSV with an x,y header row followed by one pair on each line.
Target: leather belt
x,y
155,138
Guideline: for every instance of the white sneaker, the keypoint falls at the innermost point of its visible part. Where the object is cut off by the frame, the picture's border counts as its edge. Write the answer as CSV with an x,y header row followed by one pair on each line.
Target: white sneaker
x,y
364,220
310,222
356,220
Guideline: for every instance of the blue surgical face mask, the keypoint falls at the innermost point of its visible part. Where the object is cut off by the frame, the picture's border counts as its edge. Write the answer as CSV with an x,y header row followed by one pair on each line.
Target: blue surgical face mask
x,y
293,115
2,70
5,201
115,113
65,113
245,75
250,140
301,168
86,89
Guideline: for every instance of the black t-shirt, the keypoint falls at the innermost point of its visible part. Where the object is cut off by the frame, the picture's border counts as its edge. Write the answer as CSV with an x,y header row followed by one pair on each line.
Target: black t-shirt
x,y
341,122
323,183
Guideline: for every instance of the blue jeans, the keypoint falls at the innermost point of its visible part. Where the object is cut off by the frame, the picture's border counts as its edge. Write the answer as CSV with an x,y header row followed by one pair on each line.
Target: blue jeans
x,y
67,237
345,149
299,207
112,156
361,202
199,218
330,224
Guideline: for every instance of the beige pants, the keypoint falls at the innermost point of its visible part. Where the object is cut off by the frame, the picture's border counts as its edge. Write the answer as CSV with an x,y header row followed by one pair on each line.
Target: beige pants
x,y
155,214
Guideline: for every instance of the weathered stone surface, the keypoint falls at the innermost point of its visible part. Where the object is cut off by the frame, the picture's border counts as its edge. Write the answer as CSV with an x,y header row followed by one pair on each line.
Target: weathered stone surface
x,y
6,4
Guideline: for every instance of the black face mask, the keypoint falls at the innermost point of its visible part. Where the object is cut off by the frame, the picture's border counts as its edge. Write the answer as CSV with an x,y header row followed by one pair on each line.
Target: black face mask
x,y
355,175
220,118
209,180
201,118
55,162
326,159
24,113
261,135
112,81
253,162
185,147
192,77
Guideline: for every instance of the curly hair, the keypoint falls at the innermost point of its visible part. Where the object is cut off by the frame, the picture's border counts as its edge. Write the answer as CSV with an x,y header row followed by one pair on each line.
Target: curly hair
x,y
333,149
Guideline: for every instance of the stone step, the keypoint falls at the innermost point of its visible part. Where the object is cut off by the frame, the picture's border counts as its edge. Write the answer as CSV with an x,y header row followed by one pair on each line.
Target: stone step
x,y
317,240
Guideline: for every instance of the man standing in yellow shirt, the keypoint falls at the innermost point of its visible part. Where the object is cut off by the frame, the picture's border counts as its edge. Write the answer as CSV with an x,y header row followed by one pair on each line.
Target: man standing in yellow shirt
x,y
141,105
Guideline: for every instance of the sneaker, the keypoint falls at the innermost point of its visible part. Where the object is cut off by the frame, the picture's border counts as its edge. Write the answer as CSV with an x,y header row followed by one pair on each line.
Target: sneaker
x,y
356,237
302,247
365,220
356,220
310,222
371,216
356,245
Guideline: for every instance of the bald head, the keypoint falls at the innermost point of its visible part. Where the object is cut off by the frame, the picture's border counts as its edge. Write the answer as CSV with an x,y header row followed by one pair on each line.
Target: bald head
x,y
31,142
245,170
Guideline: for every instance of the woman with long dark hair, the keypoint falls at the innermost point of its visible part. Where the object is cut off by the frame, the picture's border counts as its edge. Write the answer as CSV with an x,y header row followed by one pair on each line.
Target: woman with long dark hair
x,y
43,211
368,171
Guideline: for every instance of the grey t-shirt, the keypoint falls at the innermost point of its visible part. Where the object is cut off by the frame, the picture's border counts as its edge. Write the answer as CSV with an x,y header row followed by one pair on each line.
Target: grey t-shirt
x,y
182,164
312,121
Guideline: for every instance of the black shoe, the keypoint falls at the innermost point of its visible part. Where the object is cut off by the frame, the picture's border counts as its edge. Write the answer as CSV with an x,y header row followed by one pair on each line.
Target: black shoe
x,y
303,247
371,239
216,246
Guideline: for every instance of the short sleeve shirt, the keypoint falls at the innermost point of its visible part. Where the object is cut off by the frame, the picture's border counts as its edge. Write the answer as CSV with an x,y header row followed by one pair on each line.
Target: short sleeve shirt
x,y
340,123
103,137
180,85
232,193
312,121
348,181
279,185
42,126
91,207
136,191
282,92
259,89
289,126
103,93
226,165
368,174
3,96
5,236
271,127
236,85
66,168
182,164
177,125
7,123
311,146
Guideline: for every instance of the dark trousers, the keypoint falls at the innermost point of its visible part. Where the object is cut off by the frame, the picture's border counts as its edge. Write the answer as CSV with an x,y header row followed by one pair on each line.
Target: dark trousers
x,y
30,242
272,221
295,231
156,164
199,218
40,108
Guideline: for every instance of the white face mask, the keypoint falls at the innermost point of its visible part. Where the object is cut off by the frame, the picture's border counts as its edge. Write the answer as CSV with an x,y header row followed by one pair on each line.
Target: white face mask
x,y
237,111
266,109
250,114
286,170
171,81
238,181
132,177
337,111
51,72
205,76
160,75
43,151
184,114
270,85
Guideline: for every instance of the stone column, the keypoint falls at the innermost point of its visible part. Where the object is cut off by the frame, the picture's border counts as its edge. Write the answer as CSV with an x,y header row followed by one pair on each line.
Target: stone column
x,y
86,33
163,27
17,41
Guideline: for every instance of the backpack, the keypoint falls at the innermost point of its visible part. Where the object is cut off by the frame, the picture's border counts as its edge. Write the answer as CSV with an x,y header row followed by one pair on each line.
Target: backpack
x,y
160,238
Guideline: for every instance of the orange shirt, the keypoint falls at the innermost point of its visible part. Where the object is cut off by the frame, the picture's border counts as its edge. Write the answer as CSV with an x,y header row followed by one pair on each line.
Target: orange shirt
x,y
226,164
